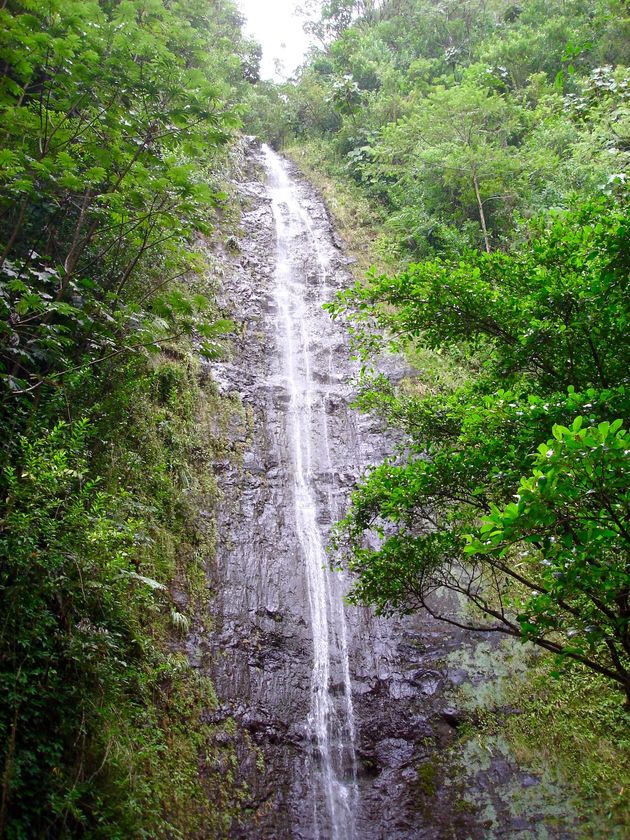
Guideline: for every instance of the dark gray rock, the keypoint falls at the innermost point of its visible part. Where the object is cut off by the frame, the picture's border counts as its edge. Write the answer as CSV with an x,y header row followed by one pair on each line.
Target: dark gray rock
x,y
257,642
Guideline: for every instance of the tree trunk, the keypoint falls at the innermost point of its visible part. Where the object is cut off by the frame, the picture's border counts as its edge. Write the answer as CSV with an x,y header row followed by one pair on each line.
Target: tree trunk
x,y
16,230
75,251
482,216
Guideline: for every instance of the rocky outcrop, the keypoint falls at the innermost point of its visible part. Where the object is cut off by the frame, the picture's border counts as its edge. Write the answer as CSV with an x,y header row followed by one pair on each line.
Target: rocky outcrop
x,y
258,640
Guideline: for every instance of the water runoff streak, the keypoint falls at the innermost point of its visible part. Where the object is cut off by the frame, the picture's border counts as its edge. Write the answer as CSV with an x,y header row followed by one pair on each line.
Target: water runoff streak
x,y
330,725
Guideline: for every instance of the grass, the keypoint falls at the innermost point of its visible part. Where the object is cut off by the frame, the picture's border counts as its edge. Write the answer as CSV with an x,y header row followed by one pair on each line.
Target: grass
x,y
358,222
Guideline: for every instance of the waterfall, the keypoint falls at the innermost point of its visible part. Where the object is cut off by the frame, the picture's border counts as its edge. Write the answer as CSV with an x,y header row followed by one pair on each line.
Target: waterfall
x,y
331,730
333,712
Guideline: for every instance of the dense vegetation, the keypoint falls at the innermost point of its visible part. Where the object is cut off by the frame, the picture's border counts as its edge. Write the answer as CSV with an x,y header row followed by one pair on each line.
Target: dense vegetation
x,y
455,117
116,117
551,566
489,141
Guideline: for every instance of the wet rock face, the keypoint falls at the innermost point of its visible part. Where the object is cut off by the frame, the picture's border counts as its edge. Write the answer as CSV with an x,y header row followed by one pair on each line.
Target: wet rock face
x,y
258,642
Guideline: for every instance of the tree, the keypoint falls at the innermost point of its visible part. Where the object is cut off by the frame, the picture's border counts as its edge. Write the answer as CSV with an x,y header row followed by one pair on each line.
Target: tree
x,y
110,115
548,322
328,20
458,148
566,543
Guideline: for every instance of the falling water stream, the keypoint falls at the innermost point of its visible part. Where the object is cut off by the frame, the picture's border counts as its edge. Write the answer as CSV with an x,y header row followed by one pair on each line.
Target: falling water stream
x,y
334,711
330,725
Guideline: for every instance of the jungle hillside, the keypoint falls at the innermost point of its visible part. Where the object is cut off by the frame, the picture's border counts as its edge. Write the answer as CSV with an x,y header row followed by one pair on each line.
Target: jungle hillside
x,y
474,157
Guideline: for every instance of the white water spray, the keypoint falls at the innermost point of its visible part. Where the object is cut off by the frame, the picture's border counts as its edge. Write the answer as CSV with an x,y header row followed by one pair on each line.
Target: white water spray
x,y
330,726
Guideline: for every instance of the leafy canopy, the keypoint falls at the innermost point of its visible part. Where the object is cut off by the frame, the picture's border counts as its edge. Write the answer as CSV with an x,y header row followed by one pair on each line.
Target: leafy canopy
x,y
541,555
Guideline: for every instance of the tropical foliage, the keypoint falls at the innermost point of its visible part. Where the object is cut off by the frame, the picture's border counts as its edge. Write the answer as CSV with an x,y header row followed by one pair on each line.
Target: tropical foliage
x,y
116,120
543,554
453,116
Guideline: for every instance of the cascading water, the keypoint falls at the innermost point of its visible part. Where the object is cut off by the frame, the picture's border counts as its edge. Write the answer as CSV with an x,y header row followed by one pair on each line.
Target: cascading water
x,y
320,761
330,725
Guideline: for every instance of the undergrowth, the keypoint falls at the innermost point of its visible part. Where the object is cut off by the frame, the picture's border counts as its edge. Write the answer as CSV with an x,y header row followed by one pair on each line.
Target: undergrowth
x,y
358,221
578,725
103,551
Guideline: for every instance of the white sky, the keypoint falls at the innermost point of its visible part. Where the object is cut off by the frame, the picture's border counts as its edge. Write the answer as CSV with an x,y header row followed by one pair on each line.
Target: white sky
x,y
274,24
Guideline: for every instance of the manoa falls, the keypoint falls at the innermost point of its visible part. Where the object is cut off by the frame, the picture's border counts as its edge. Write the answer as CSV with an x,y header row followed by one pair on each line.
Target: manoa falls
x,y
339,708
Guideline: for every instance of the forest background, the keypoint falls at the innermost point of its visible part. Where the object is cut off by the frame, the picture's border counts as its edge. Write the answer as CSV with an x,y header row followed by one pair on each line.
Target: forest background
x,y
476,154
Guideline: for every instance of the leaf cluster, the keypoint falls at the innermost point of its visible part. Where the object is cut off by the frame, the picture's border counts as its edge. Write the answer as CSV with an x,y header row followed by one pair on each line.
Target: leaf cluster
x,y
116,123
533,531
